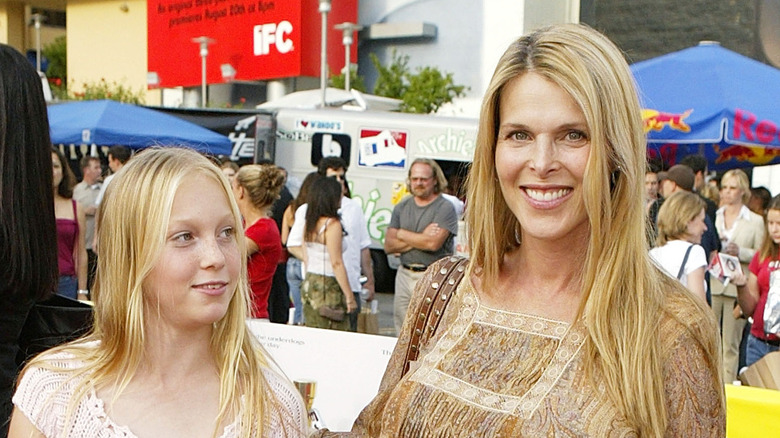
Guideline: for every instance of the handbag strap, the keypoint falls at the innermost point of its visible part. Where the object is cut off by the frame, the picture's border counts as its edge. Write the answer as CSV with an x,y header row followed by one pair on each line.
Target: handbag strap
x,y
685,260
428,314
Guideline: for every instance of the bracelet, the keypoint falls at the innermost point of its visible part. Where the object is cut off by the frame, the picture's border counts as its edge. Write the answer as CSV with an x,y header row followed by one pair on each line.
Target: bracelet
x,y
83,292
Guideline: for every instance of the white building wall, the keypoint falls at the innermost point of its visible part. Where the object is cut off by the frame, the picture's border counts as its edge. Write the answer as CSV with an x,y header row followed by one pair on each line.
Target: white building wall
x,y
471,36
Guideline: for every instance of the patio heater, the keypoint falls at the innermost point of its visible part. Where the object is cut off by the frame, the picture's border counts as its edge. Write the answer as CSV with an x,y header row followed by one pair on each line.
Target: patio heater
x,y
204,42
348,29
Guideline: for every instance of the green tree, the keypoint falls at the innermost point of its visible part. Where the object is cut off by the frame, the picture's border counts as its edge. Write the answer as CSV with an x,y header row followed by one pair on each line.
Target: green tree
x,y
57,71
422,92
390,79
102,89
355,80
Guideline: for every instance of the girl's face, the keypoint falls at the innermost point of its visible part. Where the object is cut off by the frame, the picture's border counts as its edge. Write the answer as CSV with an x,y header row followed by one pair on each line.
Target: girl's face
x,y
773,225
696,228
542,150
196,275
56,167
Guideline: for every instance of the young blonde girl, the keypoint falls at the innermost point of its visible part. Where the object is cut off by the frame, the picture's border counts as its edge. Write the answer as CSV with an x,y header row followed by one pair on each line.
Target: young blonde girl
x,y
170,353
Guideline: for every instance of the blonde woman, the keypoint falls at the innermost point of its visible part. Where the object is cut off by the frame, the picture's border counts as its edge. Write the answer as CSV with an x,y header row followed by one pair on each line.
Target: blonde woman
x,y
170,353
256,187
678,251
741,233
562,325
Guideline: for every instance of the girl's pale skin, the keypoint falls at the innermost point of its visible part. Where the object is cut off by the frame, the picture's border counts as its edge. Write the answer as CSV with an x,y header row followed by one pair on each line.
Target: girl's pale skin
x,y
175,391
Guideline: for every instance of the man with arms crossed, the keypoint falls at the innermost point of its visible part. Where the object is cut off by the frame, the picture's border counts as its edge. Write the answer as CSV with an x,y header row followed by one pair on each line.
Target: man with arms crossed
x,y
421,230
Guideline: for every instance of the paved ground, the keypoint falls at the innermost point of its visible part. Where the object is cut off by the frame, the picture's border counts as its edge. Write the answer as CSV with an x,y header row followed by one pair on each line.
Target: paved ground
x,y
385,314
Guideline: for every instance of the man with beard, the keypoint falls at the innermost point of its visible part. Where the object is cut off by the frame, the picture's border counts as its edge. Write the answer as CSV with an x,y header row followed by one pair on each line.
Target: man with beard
x,y
421,230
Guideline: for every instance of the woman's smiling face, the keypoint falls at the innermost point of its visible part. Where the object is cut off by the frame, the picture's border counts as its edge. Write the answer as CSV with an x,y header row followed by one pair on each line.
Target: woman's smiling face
x,y
542,150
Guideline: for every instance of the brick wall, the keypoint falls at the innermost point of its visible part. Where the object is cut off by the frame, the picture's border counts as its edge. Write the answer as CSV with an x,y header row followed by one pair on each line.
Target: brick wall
x,y
648,28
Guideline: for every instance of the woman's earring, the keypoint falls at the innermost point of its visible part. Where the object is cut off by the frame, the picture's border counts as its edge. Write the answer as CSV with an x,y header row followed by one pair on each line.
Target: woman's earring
x,y
517,236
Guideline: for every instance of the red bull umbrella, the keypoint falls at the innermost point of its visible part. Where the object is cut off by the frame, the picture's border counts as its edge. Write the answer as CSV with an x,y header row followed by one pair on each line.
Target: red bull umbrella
x,y
711,101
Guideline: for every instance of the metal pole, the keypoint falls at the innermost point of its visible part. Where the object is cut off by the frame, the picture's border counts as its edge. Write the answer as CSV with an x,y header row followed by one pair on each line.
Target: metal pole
x,y
204,52
347,28
324,9
37,19
204,42
346,63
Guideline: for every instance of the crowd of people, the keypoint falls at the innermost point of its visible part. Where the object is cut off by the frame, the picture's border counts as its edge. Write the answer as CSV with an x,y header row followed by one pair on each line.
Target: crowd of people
x,y
699,217
584,292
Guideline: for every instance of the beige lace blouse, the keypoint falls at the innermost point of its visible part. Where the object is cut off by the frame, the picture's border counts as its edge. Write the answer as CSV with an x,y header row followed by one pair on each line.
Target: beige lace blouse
x,y
492,373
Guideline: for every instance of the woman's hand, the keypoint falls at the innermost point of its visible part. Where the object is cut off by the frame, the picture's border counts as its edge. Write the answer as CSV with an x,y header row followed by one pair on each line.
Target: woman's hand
x,y
731,248
351,305
738,279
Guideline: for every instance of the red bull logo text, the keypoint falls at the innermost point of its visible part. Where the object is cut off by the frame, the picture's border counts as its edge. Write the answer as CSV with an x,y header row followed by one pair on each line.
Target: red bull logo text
x,y
745,126
657,120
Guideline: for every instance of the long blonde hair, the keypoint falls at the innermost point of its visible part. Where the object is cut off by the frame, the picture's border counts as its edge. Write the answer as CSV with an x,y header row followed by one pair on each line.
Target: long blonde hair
x,y
134,217
622,293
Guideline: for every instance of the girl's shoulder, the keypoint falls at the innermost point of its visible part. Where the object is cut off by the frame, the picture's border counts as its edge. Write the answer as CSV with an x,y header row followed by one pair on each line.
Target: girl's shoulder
x,y
47,387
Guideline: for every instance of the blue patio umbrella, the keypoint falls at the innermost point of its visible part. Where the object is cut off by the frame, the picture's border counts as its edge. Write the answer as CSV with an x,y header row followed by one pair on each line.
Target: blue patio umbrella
x,y
107,123
711,101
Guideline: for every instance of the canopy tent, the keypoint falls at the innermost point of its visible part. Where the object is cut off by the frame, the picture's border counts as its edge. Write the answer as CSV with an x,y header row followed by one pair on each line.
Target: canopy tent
x,y
711,101
334,97
107,123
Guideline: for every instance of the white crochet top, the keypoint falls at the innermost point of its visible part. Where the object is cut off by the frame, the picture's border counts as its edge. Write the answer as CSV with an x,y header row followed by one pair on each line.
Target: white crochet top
x,y
43,396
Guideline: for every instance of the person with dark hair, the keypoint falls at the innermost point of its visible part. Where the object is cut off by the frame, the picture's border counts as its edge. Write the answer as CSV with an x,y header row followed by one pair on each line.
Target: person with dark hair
x,y
759,200
294,272
763,276
256,187
71,227
28,255
326,293
698,164
85,193
357,255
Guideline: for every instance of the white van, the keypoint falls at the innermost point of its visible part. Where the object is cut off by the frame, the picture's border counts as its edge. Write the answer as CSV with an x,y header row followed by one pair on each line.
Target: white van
x,y
378,147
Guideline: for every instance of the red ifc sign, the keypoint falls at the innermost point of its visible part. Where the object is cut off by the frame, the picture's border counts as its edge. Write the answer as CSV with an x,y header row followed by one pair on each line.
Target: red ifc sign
x,y
260,39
